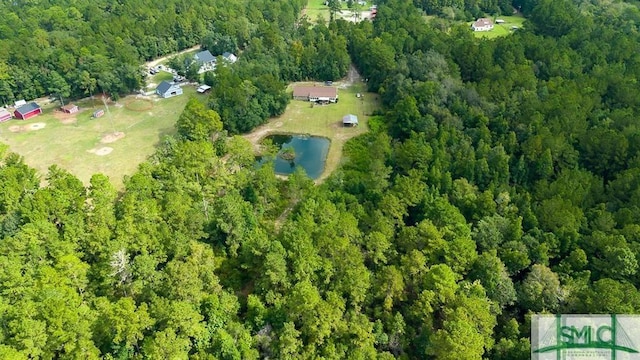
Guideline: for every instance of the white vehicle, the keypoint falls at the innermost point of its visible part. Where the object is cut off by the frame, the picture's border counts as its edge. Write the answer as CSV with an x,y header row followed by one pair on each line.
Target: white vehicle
x,y
203,89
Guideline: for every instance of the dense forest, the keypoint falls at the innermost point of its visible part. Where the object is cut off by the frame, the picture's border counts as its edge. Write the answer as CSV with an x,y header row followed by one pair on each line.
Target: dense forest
x,y
501,179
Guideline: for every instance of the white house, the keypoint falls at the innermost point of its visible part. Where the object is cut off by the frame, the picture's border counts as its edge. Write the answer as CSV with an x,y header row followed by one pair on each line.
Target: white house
x,y
167,90
482,24
231,58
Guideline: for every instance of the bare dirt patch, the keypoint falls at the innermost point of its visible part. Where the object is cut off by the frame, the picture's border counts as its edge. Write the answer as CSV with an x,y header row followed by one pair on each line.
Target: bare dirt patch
x,y
101,151
65,118
112,137
36,126
29,127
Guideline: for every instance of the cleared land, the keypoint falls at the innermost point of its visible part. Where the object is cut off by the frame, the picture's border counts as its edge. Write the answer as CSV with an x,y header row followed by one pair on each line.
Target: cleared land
x,y
500,29
113,144
324,120
316,9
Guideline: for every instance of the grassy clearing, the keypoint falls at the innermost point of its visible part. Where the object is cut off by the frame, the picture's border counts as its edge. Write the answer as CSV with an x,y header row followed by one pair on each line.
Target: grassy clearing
x,y
154,80
316,9
72,141
500,29
324,120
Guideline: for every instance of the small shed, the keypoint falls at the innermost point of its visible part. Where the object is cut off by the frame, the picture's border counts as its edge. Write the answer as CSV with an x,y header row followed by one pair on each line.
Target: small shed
x,y
98,113
28,111
4,115
499,21
167,90
350,120
19,103
70,108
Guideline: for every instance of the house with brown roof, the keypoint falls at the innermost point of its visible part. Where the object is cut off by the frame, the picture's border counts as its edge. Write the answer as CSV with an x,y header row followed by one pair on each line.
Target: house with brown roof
x,y
316,93
482,24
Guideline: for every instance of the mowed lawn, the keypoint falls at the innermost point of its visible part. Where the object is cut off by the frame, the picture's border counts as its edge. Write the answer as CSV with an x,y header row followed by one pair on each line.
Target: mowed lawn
x,y
324,120
500,29
75,141
317,9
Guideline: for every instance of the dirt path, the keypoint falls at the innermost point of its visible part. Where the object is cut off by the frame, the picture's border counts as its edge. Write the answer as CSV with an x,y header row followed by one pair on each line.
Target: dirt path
x,y
261,131
157,61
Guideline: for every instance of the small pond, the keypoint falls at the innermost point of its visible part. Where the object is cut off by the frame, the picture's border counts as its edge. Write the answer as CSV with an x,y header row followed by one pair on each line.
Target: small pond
x,y
309,152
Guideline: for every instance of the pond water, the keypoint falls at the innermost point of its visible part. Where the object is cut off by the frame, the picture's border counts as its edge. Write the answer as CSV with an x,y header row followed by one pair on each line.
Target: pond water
x,y
310,154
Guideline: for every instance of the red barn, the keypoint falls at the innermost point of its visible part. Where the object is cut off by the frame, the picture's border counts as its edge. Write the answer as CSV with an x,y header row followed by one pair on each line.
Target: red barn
x,y
27,111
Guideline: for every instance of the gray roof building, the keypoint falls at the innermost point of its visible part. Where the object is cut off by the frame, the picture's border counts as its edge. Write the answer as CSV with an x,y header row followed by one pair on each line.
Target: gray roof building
x,y
167,90
350,120
204,57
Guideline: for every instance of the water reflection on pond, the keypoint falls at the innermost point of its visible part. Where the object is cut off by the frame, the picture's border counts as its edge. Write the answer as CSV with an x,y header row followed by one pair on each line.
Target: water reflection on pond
x,y
309,152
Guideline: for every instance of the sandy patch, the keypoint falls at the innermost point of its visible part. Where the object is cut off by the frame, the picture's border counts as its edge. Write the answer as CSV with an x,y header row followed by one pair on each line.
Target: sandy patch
x,y
65,118
36,126
112,137
278,124
30,127
101,151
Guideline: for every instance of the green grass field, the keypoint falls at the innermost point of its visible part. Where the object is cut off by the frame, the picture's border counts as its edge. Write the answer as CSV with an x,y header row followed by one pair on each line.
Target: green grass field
x,y
317,9
500,29
324,120
162,76
73,141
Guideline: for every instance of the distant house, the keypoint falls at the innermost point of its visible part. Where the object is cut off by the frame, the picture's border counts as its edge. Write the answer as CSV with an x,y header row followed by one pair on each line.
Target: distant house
x,y
350,120
206,61
70,108
482,24
167,90
229,57
316,93
4,115
27,111
203,89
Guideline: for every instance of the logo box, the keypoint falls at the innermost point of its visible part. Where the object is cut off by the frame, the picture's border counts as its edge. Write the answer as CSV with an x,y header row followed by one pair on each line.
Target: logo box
x,y
582,337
